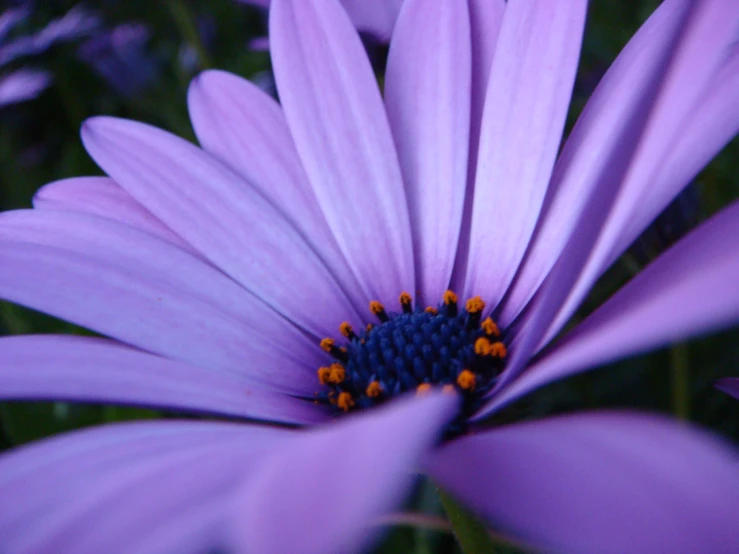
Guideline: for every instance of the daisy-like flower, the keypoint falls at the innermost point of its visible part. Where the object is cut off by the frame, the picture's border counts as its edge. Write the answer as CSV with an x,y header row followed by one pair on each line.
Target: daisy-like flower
x,y
383,275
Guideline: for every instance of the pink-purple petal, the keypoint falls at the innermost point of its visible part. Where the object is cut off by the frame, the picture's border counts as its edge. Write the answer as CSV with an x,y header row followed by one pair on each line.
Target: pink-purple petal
x,y
607,482
427,97
128,285
577,172
81,369
336,116
730,385
340,480
245,128
223,217
709,33
101,196
530,84
689,290
151,487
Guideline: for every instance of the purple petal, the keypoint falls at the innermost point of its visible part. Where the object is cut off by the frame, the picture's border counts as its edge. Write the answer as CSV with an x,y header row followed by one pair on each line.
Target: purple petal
x,y
223,217
703,47
531,81
340,479
729,386
101,196
340,128
607,173
713,122
485,19
128,285
605,482
689,290
22,85
377,18
593,139
246,129
427,97
94,370
143,487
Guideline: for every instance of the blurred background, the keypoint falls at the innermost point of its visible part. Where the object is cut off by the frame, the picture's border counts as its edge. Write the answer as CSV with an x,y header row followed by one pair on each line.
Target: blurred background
x,y
64,61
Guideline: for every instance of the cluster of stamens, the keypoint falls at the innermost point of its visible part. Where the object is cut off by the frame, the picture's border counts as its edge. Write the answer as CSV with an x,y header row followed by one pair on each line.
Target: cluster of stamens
x,y
442,346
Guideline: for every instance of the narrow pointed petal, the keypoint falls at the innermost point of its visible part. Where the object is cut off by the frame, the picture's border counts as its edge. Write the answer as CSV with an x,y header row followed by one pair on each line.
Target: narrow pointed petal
x,y
593,139
341,479
713,123
246,129
128,285
485,19
150,487
703,48
81,369
729,386
223,217
337,119
599,482
671,90
689,290
101,196
528,95
427,95
377,18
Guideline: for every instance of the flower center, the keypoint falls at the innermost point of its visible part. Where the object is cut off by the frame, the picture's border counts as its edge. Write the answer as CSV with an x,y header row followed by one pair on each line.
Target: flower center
x,y
414,350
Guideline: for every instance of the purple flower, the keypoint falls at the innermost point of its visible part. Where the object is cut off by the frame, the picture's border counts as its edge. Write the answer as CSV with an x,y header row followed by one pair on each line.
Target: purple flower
x,y
217,271
27,83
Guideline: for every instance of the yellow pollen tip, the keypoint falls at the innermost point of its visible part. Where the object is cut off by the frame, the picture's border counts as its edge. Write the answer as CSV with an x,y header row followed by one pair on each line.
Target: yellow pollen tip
x,y
405,299
466,380
323,375
490,328
450,298
376,307
327,344
482,346
475,305
448,389
345,401
374,389
431,310
337,374
423,388
498,350
346,329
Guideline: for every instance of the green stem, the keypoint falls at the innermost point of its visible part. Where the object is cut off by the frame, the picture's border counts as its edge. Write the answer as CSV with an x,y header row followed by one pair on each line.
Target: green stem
x,y
472,535
680,381
188,30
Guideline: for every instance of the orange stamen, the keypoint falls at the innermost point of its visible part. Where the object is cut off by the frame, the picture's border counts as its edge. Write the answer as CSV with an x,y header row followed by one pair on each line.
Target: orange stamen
x,y
327,344
374,389
346,330
482,346
475,305
345,401
431,310
498,350
450,298
422,389
490,328
337,374
323,375
466,380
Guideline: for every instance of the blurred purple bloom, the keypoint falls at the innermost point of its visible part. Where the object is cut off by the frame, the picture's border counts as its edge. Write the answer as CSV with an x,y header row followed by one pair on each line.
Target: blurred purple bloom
x,y
119,56
216,271
23,84
28,83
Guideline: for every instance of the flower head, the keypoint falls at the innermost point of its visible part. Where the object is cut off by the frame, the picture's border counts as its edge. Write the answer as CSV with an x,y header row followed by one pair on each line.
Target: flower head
x,y
320,259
